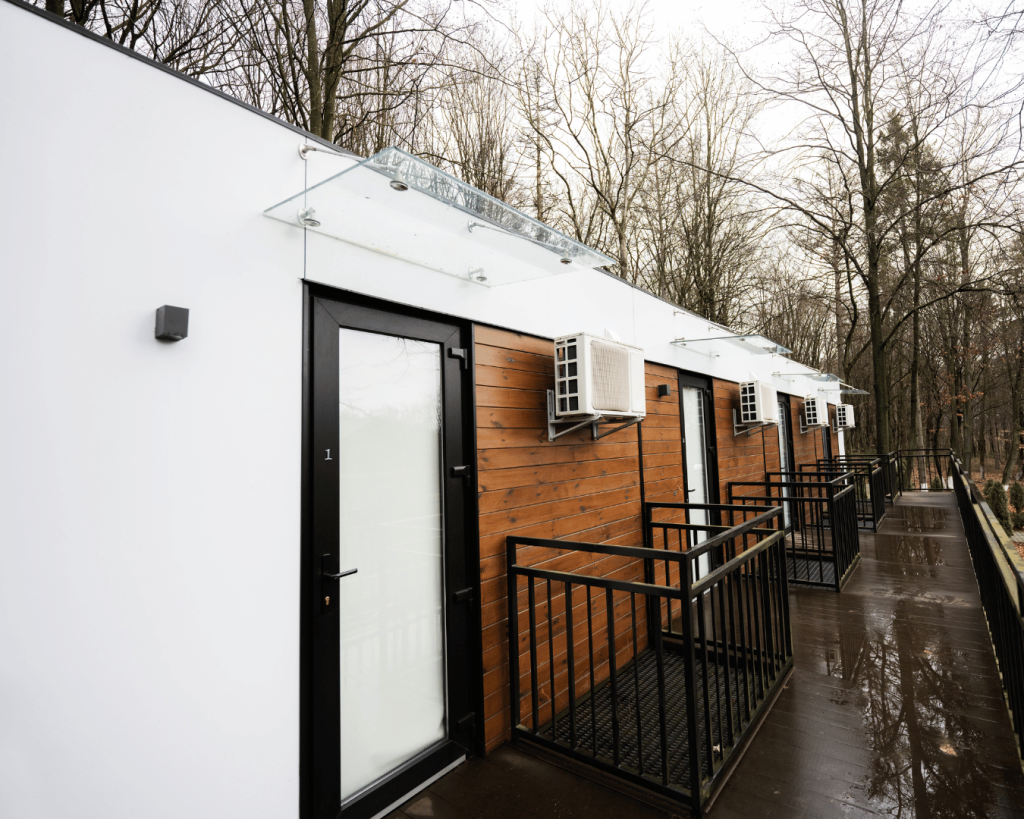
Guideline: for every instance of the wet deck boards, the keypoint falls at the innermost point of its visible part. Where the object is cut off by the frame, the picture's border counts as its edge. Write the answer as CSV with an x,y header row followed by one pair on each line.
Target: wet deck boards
x,y
894,707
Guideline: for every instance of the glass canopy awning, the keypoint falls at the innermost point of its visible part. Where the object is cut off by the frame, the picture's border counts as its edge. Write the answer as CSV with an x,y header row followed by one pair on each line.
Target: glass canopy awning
x,y
396,204
749,344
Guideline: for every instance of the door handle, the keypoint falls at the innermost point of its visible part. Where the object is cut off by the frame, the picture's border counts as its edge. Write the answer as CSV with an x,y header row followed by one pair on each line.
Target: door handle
x,y
339,575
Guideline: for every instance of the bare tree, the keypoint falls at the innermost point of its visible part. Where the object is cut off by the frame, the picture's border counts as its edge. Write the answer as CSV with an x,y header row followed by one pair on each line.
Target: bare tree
x,y
195,38
596,67
853,61
707,231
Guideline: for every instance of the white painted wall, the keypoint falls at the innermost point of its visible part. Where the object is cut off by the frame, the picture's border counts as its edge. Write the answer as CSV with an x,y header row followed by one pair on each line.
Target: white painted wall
x,y
149,491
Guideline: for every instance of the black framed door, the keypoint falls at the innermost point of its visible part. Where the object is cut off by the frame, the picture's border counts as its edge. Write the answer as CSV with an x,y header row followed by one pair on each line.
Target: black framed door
x,y
826,436
700,449
388,583
787,460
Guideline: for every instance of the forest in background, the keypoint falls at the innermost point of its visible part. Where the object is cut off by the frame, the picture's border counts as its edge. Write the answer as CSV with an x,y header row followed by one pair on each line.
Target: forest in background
x,y
848,186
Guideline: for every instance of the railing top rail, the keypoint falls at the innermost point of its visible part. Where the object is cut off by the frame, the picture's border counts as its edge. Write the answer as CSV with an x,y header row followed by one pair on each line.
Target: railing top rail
x,y
633,586
769,536
768,485
711,506
754,525
734,563
1002,546
854,461
840,491
834,476
641,552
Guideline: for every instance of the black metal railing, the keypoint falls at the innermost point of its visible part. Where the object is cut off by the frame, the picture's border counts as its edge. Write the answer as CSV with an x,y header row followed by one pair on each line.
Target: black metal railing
x,y
1000,573
869,477
891,479
924,470
635,660
821,537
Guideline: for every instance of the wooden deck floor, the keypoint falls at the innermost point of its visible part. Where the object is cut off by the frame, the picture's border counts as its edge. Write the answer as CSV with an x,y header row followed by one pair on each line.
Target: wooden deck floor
x,y
894,707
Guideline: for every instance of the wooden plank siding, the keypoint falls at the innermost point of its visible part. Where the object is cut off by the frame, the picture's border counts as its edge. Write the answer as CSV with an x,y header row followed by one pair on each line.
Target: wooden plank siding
x,y
807,448
577,489
571,489
740,457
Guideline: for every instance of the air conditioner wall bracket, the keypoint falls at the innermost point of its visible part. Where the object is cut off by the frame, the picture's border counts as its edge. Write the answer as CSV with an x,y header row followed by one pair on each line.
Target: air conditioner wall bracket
x,y
750,429
628,423
594,421
804,429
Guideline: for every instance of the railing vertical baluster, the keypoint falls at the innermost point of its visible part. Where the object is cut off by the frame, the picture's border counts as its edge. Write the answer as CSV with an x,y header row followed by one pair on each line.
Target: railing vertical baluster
x,y
609,608
710,596
769,639
662,705
571,655
636,686
744,642
551,662
758,645
535,706
725,660
690,670
593,693
702,631
511,565
668,577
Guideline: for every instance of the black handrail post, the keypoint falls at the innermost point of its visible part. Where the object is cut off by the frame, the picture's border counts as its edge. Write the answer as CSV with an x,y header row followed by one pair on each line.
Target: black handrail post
x,y
690,670
513,630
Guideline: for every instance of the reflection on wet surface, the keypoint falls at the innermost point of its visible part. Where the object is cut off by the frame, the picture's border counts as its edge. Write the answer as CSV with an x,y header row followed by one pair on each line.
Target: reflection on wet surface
x,y
908,549
921,519
895,706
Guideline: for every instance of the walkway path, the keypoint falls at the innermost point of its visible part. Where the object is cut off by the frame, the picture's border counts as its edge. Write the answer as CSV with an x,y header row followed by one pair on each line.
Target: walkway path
x,y
894,707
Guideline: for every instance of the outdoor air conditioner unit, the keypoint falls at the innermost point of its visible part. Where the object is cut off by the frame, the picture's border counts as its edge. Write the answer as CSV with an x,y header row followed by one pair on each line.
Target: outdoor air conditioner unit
x,y
815,411
596,376
759,403
844,416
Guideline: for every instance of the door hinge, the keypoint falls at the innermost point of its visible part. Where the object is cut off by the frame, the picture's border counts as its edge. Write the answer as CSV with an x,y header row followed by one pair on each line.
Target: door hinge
x,y
462,471
461,353
468,722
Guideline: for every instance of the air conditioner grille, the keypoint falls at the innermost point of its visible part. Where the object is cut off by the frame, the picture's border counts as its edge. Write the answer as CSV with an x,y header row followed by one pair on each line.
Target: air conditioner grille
x,y
610,364
811,412
748,403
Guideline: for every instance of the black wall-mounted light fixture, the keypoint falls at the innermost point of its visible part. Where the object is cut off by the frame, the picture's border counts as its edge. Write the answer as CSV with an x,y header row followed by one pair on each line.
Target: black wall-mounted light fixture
x,y
171,323
664,390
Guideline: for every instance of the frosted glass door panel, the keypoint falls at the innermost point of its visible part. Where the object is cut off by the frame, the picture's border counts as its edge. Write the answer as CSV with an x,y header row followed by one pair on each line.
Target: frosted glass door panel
x,y
696,464
391,612
784,464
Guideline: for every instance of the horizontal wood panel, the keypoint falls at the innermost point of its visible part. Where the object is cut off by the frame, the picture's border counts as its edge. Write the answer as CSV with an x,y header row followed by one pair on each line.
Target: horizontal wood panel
x,y
571,489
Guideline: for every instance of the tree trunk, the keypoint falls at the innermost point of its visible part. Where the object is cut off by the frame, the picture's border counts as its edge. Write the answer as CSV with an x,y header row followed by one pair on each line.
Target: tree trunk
x,y
967,438
878,359
313,79
1016,422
